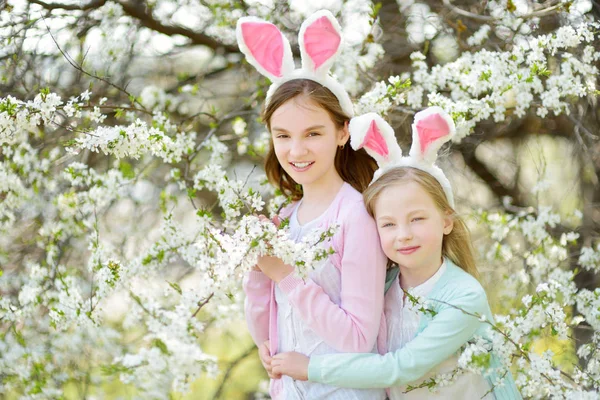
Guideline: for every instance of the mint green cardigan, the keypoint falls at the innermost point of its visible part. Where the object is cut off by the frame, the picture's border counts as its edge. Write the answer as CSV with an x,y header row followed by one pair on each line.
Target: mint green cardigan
x,y
438,338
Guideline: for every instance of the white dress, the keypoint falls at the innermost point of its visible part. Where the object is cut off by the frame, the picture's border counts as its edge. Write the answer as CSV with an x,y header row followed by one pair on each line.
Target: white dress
x,y
294,335
403,323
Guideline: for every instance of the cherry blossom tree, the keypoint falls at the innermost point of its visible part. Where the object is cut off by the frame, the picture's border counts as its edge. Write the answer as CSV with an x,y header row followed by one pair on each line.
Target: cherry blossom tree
x,y
131,179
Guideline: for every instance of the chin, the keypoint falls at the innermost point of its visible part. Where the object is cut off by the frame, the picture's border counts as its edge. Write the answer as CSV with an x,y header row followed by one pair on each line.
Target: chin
x,y
302,180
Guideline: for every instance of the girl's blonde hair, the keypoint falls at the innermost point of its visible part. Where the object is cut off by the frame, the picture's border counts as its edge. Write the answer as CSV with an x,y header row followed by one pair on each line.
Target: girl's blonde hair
x,y
457,244
355,167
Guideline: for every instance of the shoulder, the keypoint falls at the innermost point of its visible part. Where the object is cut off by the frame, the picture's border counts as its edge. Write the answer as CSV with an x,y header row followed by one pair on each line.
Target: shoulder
x,y
458,277
462,289
351,206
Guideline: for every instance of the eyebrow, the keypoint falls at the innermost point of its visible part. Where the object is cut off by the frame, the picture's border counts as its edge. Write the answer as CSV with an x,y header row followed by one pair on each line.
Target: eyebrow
x,y
306,130
385,216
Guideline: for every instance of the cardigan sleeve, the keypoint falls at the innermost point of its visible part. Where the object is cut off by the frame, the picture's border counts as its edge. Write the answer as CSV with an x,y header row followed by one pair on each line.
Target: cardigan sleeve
x,y
447,331
351,326
257,287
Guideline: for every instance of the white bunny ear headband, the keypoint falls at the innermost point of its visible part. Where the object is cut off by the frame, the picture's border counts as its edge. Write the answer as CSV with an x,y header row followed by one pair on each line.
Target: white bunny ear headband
x,y
431,128
320,41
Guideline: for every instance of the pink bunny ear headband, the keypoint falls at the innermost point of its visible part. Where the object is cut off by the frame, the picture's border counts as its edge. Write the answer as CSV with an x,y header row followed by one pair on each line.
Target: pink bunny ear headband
x,y
431,128
320,41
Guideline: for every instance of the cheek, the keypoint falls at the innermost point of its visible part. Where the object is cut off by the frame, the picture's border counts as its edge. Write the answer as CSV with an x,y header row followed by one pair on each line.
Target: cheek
x,y
431,232
325,148
387,239
280,149
388,246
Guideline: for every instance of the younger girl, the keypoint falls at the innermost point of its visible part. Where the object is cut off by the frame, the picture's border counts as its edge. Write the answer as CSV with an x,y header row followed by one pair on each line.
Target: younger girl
x,y
412,203
340,307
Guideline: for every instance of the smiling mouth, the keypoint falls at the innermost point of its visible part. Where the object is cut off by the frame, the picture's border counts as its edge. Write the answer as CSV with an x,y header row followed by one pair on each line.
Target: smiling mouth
x,y
408,250
301,166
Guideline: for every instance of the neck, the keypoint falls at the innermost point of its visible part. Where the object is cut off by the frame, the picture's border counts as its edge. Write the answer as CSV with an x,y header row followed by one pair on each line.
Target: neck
x,y
411,277
322,192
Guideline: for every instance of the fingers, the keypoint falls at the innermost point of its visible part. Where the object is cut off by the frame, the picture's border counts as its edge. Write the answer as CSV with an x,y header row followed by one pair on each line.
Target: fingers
x,y
276,220
264,353
276,368
265,356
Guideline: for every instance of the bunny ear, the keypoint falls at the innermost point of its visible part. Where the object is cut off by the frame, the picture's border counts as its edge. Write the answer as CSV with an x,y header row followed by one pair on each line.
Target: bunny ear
x,y
430,130
376,136
265,47
320,40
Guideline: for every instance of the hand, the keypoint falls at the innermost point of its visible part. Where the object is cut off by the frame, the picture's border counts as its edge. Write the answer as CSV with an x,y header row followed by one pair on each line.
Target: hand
x,y
275,220
264,353
274,267
292,364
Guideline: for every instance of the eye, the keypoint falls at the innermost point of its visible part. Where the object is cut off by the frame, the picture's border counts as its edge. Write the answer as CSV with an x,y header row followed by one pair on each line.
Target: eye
x,y
281,136
387,225
314,134
415,219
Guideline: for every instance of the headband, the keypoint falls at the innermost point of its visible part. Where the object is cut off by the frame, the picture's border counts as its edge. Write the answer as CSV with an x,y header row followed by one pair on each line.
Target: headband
x,y
320,41
431,128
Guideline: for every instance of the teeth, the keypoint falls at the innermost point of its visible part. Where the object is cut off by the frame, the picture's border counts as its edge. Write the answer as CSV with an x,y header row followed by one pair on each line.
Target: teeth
x,y
301,165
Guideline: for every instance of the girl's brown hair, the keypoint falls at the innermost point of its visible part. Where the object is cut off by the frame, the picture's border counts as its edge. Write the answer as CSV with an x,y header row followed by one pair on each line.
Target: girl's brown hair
x,y
457,244
354,167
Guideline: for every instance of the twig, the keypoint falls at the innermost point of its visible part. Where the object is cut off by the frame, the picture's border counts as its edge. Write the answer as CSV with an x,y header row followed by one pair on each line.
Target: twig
x,y
505,335
80,69
202,304
484,18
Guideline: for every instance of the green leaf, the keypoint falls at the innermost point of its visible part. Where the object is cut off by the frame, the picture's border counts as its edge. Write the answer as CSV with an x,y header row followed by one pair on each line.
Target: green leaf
x,y
160,256
175,286
161,346
510,6
485,76
126,169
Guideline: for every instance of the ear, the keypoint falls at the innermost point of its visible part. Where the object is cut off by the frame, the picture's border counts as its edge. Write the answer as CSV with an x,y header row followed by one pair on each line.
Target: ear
x,y
343,135
448,224
265,47
320,40
376,136
430,130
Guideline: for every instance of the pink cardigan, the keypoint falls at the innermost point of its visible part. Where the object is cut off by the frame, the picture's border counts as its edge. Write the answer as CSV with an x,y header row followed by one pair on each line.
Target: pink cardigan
x,y
358,322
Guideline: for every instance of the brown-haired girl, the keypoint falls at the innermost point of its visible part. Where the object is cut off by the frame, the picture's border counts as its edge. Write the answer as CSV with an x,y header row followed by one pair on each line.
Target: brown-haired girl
x,y
339,307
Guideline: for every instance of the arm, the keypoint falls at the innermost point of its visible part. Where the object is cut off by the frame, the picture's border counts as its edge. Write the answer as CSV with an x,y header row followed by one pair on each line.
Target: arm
x,y
353,325
443,336
257,287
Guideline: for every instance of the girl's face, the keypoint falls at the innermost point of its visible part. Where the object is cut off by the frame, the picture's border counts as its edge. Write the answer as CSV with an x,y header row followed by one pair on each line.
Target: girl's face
x,y
411,228
305,140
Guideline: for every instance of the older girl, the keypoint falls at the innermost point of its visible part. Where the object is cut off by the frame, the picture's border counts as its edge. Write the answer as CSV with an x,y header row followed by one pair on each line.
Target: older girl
x,y
340,307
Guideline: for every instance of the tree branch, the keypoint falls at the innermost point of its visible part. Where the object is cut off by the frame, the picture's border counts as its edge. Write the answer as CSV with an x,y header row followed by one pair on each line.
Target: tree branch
x,y
484,18
230,368
484,173
70,7
139,11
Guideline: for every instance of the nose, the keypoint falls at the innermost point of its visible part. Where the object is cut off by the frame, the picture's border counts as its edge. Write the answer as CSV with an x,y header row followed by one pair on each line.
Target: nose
x,y
403,233
298,149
